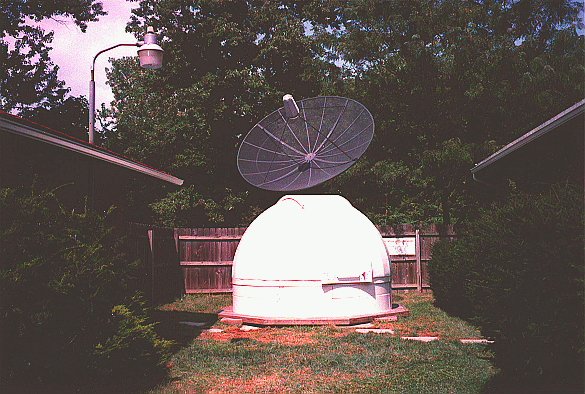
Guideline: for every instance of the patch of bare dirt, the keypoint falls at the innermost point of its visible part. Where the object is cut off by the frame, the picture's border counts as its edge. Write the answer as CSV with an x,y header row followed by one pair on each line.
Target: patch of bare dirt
x,y
283,336
264,384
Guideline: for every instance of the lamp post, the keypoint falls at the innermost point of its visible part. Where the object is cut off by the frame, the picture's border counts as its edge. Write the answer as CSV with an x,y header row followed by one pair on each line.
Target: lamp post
x,y
150,55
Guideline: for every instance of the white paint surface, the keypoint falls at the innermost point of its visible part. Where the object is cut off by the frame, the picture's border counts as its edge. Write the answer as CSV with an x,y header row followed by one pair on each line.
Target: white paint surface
x,y
311,256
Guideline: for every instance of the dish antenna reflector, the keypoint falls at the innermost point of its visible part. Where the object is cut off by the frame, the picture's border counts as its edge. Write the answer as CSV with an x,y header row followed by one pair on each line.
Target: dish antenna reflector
x,y
304,144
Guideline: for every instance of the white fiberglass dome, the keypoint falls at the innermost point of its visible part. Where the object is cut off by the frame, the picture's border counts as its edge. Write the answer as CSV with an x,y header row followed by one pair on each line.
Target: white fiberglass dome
x,y
311,256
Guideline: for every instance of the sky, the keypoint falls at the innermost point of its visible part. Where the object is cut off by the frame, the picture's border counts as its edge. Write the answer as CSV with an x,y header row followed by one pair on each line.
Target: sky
x,y
73,51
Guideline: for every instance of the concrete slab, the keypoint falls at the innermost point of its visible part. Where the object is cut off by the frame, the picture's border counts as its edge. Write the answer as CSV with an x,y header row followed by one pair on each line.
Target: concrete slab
x,y
387,319
232,321
228,312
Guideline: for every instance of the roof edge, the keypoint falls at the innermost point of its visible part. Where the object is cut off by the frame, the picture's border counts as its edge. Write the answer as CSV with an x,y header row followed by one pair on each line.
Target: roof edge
x,y
16,125
544,128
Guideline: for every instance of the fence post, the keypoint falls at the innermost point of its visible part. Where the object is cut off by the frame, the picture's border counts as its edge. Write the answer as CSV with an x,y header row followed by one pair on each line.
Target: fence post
x,y
152,262
418,261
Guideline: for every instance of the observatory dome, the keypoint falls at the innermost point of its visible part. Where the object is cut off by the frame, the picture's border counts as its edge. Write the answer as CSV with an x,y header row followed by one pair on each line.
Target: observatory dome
x,y
311,256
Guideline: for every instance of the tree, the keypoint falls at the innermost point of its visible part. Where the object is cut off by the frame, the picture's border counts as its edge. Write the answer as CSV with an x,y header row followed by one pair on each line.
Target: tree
x,y
28,77
447,83
481,73
15,12
68,115
227,64
29,85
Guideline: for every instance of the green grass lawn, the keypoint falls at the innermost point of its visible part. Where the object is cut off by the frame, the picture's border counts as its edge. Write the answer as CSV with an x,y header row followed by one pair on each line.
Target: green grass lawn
x,y
321,359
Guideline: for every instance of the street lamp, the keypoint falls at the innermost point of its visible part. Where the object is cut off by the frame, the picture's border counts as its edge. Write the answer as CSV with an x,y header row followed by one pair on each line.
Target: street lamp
x,y
150,55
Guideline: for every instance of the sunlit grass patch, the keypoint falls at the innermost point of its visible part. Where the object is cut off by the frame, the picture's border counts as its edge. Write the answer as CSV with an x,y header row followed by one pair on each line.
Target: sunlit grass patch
x,y
353,363
330,359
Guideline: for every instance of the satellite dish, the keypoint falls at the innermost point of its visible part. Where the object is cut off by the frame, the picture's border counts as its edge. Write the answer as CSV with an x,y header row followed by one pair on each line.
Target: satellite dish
x,y
305,143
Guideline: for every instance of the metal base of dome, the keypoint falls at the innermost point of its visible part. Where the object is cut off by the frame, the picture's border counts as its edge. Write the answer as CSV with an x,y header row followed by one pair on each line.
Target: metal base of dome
x,y
228,316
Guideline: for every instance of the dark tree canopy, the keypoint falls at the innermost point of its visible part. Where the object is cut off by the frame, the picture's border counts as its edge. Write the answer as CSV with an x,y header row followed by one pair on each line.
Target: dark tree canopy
x,y
28,77
447,82
226,64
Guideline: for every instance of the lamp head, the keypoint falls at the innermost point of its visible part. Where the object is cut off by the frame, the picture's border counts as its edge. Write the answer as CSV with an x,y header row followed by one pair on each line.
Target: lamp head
x,y
150,53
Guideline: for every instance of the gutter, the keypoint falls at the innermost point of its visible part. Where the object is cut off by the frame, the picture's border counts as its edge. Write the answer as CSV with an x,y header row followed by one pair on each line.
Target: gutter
x,y
544,128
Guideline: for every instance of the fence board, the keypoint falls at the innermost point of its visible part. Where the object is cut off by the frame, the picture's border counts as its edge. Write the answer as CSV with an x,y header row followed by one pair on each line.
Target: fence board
x,y
200,263
166,272
206,256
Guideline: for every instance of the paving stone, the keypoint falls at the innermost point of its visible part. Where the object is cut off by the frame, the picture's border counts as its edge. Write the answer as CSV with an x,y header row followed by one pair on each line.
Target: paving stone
x,y
193,323
422,339
249,328
375,330
475,341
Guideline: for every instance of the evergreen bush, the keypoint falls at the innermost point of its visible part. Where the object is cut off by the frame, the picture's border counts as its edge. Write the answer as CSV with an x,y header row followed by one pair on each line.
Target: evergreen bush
x,y
521,276
68,305
450,277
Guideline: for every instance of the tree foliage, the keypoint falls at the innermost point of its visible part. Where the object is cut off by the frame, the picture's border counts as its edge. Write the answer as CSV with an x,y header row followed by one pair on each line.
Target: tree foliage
x,y
437,75
447,83
69,307
29,85
226,63
68,115
29,78
15,12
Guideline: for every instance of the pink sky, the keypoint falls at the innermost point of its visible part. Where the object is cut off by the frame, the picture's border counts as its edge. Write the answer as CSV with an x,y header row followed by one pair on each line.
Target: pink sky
x,y
73,50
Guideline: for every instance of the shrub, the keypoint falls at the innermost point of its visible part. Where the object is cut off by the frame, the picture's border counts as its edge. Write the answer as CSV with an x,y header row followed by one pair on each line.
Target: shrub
x,y
449,277
521,276
68,306
132,347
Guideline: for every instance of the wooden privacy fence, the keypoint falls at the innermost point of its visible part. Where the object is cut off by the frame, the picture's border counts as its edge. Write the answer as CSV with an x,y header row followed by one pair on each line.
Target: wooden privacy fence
x,y
206,255
409,250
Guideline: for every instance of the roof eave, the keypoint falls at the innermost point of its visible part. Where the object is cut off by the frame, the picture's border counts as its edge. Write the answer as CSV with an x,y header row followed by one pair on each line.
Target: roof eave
x,y
544,128
87,149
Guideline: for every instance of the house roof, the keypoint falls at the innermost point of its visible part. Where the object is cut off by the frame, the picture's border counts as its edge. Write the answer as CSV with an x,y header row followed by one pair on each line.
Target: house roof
x,y
539,131
16,125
